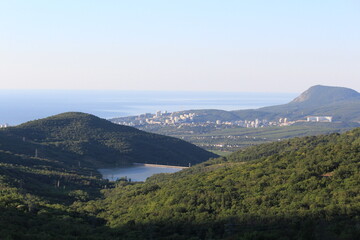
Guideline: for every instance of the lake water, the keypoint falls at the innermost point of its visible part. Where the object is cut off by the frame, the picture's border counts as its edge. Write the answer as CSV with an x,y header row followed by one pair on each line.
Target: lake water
x,y
19,106
137,173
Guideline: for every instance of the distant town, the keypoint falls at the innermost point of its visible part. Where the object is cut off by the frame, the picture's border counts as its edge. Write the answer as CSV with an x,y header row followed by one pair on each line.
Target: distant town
x,y
215,134
190,119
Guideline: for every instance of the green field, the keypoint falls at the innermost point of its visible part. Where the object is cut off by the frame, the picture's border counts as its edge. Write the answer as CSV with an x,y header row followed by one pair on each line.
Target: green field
x,y
233,138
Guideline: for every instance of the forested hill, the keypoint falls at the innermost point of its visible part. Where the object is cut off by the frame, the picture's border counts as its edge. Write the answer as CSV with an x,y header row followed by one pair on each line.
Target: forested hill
x,y
98,142
303,188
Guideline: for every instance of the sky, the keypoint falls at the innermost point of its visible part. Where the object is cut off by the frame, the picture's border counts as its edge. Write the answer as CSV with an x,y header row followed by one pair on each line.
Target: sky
x,y
191,45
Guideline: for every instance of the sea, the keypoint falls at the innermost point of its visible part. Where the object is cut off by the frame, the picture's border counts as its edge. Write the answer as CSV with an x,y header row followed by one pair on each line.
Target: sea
x,y
19,106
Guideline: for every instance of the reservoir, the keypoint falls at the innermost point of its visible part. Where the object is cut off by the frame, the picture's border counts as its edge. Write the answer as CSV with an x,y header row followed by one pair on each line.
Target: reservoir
x,y
137,172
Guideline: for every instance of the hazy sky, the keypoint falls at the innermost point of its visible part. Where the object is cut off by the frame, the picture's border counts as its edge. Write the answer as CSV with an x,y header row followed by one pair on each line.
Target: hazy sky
x,y
229,45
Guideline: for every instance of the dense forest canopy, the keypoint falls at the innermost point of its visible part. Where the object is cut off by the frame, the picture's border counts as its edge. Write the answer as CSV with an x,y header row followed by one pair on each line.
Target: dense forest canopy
x,y
302,188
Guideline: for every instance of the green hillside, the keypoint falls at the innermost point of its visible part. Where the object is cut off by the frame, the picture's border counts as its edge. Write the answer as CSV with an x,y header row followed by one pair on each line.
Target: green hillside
x,y
35,192
302,188
97,142
49,164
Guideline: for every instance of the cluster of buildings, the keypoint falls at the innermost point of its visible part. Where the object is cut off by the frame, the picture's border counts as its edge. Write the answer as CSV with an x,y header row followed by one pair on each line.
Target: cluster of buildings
x,y
263,123
177,118
281,122
166,118
4,125
160,118
319,119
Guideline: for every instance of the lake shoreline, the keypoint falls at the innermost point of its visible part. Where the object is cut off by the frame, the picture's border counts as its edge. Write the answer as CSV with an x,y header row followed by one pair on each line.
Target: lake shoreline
x,y
159,165
137,172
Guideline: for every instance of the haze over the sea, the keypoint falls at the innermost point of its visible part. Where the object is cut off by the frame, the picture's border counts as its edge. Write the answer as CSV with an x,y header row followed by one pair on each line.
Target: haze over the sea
x,y
20,106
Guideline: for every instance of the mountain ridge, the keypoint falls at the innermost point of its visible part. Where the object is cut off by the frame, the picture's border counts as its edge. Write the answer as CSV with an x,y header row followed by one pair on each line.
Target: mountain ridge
x,y
343,104
327,95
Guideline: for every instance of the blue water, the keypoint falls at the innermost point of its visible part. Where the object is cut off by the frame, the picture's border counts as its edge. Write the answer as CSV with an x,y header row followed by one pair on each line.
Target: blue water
x,y
18,106
137,173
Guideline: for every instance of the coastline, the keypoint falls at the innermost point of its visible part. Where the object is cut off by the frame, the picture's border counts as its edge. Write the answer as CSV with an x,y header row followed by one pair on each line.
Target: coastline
x,y
159,165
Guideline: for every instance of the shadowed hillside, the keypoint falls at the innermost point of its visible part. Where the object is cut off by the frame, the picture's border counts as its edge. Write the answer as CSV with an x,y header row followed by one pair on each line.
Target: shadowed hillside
x,y
98,142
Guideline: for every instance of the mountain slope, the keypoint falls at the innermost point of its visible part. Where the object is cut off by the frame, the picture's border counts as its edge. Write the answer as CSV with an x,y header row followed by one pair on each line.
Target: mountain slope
x,y
48,165
98,142
324,95
341,103
36,191
303,188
